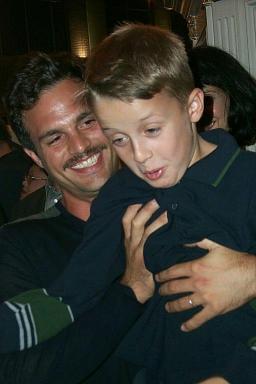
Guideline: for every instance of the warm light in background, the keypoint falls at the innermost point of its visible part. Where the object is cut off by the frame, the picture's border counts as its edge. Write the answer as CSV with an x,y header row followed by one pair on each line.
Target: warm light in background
x,y
79,46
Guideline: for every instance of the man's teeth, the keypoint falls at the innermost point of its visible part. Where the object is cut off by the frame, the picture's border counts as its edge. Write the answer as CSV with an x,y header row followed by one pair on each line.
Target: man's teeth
x,y
87,163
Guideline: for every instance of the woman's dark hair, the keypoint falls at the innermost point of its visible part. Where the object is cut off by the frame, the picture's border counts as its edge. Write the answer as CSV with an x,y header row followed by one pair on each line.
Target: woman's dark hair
x,y
213,66
40,73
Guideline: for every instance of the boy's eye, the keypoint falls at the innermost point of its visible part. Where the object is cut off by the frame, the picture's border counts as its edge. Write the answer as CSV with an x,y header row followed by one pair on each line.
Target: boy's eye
x,y
120,141
152,131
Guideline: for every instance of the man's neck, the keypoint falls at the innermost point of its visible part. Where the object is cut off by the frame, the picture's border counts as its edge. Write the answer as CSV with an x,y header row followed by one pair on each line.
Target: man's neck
x,y
76,206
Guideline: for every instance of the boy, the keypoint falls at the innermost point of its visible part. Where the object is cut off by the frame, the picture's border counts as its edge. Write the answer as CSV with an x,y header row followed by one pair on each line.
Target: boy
x,y
141,90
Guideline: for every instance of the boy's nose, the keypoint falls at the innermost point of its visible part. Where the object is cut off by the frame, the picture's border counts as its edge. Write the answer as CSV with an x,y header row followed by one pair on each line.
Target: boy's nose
x,y
141,154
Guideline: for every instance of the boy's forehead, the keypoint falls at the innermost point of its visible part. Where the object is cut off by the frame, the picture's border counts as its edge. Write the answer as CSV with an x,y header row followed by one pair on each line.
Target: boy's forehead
x,y
111,111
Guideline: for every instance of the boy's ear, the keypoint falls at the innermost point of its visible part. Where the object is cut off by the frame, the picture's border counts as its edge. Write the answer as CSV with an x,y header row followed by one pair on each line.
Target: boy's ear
x,y
196,105
34,157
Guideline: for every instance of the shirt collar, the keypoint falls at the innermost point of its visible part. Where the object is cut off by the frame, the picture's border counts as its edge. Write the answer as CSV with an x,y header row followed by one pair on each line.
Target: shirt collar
x,y
212,169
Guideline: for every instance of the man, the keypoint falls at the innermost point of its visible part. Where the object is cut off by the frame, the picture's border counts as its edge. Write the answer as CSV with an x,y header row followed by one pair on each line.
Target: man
x,y
60,134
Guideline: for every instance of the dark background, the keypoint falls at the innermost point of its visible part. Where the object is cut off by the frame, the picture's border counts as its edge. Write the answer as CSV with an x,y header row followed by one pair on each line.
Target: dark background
x,y
75,26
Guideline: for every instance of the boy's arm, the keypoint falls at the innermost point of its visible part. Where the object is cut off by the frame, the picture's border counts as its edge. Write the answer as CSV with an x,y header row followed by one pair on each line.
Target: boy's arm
x,y
221,281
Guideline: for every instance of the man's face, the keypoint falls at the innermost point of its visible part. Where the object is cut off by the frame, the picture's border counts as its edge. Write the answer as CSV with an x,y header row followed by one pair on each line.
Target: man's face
x,y
69,142
154,137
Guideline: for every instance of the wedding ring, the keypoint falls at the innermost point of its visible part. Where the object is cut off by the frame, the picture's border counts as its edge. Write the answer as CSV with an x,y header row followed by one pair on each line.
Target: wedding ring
x,y
190,302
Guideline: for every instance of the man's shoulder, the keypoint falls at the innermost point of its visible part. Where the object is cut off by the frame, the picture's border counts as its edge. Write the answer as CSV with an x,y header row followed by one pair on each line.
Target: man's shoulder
x,y
31,222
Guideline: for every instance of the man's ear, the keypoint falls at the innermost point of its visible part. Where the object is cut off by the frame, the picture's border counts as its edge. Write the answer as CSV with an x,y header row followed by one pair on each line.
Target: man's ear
x,y
34,157
196,105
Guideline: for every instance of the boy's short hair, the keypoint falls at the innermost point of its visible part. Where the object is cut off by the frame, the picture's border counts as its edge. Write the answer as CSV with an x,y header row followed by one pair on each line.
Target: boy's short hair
x,y
137,61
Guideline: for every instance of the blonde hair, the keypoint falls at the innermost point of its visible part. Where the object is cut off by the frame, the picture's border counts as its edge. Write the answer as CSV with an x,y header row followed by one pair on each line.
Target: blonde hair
x,y
137,61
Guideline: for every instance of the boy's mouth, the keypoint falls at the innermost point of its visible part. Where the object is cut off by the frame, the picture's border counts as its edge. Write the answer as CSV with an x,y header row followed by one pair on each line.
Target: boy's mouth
x,y
154,175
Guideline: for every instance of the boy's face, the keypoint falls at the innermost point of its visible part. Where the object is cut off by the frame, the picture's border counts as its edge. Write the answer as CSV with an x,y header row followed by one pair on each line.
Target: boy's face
x,y
155,138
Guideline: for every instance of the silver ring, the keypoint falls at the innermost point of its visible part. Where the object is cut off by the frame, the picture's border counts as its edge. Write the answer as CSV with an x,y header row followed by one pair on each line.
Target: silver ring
x,y
190,302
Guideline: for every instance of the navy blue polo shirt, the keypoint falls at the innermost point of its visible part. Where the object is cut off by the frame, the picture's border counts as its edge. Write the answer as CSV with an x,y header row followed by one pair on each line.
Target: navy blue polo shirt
x,y
216,198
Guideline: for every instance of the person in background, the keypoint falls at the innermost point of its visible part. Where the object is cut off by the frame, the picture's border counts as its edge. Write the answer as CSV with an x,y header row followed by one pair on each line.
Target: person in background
x,y
38,194
230,93
35,179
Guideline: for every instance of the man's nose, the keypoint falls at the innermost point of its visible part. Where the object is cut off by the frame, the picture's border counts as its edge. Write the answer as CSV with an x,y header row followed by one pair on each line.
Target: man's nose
x,y
78,142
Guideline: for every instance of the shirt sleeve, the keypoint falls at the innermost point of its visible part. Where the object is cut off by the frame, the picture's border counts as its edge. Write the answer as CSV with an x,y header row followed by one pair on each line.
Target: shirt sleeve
x,y
80,349
39,314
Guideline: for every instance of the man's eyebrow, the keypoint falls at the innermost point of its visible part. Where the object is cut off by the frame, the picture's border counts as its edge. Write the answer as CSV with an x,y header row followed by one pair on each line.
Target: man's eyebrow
x,y
55,131
83,116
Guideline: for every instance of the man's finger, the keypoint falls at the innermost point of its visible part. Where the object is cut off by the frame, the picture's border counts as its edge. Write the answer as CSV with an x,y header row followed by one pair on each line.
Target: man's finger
x,y
183,304
197,320
178,270
176,286
204,244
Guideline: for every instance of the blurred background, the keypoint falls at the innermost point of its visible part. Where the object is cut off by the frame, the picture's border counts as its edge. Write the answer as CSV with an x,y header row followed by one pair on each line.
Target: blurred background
x,y
77,26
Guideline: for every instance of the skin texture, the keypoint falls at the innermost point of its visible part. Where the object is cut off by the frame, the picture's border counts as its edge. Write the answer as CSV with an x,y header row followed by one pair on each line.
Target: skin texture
x,y
155,138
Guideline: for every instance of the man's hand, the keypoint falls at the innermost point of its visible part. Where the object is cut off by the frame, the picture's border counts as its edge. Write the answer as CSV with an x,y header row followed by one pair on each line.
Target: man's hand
x,y
214,380
221,281
136,232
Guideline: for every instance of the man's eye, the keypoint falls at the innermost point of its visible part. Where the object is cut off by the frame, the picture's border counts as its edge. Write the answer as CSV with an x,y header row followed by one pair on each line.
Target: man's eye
x,y
88,123
54,140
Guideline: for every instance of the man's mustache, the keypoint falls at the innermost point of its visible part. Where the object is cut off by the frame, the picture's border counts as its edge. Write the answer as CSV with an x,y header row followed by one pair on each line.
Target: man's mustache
x,y
86,153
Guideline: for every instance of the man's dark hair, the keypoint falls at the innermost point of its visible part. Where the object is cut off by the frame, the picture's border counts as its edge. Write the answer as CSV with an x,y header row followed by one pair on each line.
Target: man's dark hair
x,y
40,73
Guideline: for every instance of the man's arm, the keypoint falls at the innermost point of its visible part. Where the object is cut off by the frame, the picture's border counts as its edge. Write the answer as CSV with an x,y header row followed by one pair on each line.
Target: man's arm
x,y
221,281
32,316
80,349
136,277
